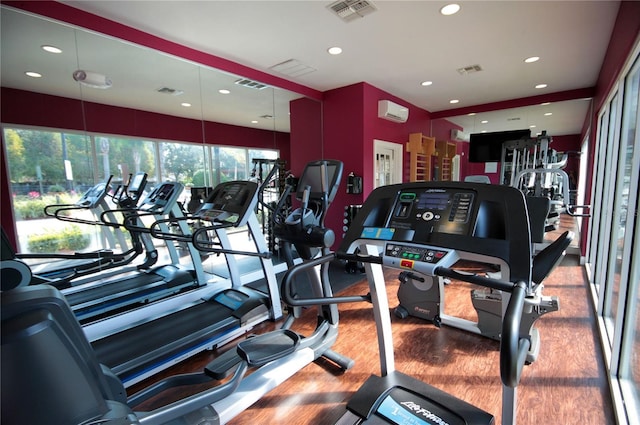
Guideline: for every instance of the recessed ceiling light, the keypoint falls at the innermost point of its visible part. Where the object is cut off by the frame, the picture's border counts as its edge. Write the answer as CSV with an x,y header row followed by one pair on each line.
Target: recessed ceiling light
x,y
532,59
471,114
548,114
532,126
224,91
454,101
186,104
426,83
254,122
51,49
484,121
33,74
545,103
334,50
450,9
541,86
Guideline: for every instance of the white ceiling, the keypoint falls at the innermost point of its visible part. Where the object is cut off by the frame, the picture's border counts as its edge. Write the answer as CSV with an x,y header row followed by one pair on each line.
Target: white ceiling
x,y
397,47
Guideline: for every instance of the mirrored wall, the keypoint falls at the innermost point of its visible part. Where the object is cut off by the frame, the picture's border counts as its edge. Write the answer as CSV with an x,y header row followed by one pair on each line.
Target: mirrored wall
x,y
92,106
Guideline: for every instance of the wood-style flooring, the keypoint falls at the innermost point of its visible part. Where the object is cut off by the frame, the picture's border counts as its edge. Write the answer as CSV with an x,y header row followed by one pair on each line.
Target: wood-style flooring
x,y
566,385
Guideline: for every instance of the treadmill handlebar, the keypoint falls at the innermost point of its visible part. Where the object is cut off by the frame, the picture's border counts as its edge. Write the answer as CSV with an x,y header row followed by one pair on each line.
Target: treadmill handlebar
x,y
88,201
513,347
475,279
375,259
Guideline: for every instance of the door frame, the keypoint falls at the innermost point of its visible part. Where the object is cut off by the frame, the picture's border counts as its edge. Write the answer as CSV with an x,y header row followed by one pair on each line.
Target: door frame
x,y
397,149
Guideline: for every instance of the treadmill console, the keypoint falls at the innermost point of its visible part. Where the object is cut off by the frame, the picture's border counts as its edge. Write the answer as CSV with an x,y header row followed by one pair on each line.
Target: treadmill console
x,y
162,198
93,196
422,258
418,213
419,223
230,202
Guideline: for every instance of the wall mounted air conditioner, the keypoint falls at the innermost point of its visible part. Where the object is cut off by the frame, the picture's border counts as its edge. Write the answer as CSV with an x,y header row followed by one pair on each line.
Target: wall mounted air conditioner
x,y
392,111
459,135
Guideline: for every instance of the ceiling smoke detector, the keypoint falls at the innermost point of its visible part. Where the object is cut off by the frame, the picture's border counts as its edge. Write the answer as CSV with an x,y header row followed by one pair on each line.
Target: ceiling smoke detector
x,y
349,10
469,69
245,82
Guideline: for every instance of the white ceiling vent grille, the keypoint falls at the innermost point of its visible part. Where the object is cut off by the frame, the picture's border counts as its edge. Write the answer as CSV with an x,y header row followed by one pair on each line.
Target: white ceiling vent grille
x,y
349,10
292,68
245,82
469,69
169,90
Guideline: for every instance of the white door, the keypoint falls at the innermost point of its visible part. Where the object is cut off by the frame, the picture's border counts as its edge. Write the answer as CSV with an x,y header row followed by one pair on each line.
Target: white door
x,y
387,165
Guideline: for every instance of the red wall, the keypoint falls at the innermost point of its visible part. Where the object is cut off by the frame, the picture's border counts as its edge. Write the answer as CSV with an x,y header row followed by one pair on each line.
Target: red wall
x,y
350,125
306,133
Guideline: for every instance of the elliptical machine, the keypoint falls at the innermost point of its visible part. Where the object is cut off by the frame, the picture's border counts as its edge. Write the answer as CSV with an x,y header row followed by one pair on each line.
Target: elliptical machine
x,y
304,228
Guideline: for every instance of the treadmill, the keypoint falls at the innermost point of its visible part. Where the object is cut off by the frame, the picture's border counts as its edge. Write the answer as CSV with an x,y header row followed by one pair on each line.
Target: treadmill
x,y
104,297
426,228
62,270
218,316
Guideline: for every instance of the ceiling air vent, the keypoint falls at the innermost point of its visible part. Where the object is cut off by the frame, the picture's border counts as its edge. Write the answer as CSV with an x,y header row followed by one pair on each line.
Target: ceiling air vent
x,y
292,68
469,69
168,90
348,10
244,82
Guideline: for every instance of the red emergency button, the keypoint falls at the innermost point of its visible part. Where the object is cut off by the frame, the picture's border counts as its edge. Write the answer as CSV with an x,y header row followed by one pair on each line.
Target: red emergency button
x,y
407,264
439,254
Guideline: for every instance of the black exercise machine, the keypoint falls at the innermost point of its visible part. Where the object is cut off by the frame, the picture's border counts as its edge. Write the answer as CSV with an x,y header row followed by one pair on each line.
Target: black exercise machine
x,y
425,229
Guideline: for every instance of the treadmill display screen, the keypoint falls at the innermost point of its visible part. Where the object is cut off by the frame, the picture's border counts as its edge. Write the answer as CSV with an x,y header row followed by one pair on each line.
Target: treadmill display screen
x,y
433,201
401,407
164,192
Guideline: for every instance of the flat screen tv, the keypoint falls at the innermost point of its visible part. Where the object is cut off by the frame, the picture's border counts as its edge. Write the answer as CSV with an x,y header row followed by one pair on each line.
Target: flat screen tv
x,y
487,147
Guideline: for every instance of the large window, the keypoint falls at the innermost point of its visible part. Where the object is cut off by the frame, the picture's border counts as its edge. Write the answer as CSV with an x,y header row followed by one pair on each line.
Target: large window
x,y
51,167
612,256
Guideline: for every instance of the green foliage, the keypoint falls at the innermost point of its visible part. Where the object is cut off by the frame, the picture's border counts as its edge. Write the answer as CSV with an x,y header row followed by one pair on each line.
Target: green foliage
x,y
27,208
182,160
56,188
69,238
198,178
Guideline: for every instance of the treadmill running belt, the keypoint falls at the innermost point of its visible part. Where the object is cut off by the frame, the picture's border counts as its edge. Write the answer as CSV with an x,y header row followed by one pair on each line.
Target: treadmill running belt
x,y
163,337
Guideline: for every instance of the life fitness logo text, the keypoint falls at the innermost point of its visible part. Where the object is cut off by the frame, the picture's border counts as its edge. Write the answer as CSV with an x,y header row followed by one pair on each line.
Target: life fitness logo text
x,y
427,414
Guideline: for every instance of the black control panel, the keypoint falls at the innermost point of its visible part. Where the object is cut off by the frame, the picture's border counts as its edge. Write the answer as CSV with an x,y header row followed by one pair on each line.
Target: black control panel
x,y
417,214
409,221
415,252
229,202
93,196
422,258
162,198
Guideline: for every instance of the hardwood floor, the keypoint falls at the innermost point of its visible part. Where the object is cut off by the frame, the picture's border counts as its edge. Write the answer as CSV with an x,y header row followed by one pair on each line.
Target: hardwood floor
x,y
566,385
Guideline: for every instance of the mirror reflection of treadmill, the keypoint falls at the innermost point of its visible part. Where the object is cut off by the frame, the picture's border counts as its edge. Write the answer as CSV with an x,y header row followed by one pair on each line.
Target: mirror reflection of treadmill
x,y
106,296
219,315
